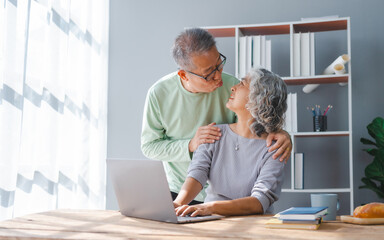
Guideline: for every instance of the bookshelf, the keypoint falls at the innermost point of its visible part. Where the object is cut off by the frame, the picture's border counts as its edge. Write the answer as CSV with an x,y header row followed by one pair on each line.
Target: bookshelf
x,y
288,29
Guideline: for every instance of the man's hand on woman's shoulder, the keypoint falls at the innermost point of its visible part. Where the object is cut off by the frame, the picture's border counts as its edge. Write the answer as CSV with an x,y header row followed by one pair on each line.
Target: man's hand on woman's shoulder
x,y
204,134
283,145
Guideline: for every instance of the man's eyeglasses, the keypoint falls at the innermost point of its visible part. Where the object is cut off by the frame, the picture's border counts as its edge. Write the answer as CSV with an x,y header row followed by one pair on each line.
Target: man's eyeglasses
x,y
211,75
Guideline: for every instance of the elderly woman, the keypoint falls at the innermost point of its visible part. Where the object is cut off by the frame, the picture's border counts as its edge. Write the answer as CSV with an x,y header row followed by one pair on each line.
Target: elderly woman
x,y
243,177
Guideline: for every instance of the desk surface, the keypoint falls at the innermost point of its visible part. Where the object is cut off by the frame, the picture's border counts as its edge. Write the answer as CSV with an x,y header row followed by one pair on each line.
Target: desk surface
x,y
107,224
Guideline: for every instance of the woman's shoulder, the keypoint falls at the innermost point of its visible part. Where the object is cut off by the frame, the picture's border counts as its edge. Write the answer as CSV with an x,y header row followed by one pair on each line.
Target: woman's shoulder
x,y
223,127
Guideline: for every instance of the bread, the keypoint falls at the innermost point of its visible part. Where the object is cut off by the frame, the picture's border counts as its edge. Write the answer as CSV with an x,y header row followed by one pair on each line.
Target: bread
x,y
370,210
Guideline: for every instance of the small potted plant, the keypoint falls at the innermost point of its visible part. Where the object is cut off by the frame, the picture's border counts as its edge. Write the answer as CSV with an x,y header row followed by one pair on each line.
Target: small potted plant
x,y
374,172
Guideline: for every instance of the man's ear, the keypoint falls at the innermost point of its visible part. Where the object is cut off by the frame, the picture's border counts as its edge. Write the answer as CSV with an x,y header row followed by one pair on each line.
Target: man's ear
x,y
182,75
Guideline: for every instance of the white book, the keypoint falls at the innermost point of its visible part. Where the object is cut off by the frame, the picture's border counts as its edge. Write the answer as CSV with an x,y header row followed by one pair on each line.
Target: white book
x,y
268,52
288,114
296,54
294,111
242,56
256,51
312,47
249,54
262,56
305,55
299,170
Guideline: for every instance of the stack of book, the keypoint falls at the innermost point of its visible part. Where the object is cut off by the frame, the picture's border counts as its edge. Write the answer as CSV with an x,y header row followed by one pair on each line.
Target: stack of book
x,y
303,54
254,51
298,218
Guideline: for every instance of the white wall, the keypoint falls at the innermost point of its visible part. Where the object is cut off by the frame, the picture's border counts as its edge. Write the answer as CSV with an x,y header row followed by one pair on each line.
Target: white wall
x,y
142,33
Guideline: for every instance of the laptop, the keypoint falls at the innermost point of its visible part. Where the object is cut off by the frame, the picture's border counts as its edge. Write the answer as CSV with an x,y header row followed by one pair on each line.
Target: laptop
x,y
142,191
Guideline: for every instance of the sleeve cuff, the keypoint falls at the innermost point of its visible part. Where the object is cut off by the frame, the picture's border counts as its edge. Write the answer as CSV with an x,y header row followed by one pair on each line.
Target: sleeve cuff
x,y
188,153
262,199
199,176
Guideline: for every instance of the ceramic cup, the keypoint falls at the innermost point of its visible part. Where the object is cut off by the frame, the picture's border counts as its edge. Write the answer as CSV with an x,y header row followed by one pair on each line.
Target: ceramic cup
x,y
329,200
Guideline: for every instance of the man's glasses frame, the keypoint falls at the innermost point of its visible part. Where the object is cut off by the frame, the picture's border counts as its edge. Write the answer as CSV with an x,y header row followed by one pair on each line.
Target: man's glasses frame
x,y
210,76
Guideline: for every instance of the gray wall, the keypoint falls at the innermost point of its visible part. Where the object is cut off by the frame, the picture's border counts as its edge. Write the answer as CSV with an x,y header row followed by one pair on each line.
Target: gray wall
x,y
142,32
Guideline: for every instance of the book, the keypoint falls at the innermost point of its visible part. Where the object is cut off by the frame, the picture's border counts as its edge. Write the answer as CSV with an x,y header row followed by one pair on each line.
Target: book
x,y
262,56
256,51
268,57
294,111
276,223
296,54
316,221
305,57
288,114
242,56
312,48
303,213
248,54
299,170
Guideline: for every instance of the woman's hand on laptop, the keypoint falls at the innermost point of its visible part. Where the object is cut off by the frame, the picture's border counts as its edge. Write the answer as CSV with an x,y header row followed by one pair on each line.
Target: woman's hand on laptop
x,y
176,205
203,209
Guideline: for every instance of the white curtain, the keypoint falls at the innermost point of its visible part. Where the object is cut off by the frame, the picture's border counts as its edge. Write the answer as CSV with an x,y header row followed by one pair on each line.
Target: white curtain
x,y
53,104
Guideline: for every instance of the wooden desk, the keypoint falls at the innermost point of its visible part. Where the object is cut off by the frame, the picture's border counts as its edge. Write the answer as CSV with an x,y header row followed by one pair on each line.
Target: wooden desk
x,y
106,224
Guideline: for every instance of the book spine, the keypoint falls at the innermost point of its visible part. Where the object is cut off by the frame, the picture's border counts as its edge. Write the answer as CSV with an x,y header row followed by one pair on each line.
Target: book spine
x,y
294,111
296,54
288,114
242,56
249,54
268,57
256,51
305,54
299,170
262,58
312,40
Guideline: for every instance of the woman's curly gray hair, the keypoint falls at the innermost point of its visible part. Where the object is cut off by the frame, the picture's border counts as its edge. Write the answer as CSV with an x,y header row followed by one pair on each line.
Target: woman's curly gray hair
x,y
267,101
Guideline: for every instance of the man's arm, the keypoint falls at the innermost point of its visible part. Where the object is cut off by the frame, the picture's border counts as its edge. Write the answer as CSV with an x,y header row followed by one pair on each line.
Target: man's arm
x,y
154,142
156,145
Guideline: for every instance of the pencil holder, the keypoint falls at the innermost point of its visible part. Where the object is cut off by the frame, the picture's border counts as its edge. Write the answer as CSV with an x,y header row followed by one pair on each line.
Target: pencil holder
x,y
319,123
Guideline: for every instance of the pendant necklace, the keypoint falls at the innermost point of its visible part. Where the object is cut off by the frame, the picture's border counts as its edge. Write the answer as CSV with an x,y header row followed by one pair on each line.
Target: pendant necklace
x,y
237,143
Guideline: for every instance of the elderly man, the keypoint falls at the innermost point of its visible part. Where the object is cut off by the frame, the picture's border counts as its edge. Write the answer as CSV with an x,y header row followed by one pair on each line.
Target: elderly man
x,y
182,108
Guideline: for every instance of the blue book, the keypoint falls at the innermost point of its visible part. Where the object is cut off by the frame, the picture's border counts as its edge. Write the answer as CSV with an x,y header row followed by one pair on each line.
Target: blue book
x,y
303,213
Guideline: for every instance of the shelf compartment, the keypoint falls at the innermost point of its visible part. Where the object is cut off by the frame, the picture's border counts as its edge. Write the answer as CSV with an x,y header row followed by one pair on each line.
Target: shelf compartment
x,y
318,79
321,26
320,134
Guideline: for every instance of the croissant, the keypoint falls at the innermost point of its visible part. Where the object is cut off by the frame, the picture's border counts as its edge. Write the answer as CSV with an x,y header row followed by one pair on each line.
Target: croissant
x,y
370,210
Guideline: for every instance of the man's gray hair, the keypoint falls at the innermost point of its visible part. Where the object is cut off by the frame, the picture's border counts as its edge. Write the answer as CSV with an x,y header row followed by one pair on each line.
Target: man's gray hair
x,y
191,41
267,101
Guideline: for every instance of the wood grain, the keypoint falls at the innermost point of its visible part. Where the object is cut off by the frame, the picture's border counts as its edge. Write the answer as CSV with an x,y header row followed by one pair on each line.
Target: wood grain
x,y
107,224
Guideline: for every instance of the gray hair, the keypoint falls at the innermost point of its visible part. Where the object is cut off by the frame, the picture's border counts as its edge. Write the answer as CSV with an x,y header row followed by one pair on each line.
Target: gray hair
x,y
267,101
191,41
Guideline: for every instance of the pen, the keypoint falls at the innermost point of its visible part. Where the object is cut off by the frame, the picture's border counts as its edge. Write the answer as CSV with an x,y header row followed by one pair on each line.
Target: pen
x,y
329,108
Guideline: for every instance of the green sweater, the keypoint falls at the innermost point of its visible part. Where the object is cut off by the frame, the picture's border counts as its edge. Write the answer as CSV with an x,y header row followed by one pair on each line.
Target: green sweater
x,y
171,118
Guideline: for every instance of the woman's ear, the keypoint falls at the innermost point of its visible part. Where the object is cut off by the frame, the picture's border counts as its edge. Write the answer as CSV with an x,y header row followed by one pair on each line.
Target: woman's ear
x,y
182,75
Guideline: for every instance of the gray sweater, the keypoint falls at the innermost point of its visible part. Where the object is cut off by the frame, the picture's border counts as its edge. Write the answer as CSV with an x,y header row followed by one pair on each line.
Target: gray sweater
x,y
237,167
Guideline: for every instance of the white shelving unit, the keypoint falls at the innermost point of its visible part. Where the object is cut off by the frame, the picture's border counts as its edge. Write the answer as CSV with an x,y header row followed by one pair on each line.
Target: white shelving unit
x,y
289,28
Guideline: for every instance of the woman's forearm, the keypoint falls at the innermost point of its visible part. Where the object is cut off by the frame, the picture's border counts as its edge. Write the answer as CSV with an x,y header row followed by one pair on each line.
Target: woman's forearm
x,y
189,191
241,206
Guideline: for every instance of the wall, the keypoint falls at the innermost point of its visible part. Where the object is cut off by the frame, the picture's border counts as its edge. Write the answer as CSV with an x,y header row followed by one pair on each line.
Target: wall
x,y
142,33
